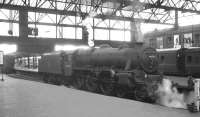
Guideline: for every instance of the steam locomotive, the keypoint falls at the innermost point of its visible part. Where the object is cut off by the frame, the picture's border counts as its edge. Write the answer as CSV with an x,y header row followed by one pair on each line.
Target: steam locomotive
x,y
181,62
112,71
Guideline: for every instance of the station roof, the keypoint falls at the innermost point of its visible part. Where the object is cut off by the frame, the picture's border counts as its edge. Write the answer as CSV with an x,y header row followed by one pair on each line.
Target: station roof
x,y
151,11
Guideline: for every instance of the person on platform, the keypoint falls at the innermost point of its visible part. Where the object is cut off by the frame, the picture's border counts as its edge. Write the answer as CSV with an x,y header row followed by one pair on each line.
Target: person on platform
x,y
190,82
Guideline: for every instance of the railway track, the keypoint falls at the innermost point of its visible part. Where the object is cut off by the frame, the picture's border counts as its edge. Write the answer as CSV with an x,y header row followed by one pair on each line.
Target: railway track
x,y
25,77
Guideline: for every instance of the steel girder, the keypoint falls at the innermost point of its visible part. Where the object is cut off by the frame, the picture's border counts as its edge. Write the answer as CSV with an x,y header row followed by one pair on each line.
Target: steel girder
x,y
152,11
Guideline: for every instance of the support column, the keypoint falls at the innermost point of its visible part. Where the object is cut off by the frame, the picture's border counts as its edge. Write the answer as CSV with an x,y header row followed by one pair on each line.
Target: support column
x,y
181,39
136,33
23,24
176,20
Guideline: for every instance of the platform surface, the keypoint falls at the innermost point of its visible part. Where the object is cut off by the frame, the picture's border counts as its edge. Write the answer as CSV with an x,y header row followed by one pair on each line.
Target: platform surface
x,y
23,98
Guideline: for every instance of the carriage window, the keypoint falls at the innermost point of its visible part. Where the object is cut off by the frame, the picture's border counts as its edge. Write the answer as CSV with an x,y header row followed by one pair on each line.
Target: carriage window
x,y
189,59
162,59
152,43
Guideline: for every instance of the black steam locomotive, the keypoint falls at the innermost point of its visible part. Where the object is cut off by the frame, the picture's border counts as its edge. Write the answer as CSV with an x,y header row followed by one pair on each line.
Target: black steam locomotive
x,y
108,70
181,62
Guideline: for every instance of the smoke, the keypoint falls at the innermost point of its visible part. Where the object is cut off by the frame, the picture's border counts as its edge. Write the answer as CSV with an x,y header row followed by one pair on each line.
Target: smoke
x,y
135,6
169,96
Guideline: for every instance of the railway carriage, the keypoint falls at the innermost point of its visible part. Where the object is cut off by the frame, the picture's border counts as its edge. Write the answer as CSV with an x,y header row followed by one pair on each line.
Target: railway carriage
x,y
182,62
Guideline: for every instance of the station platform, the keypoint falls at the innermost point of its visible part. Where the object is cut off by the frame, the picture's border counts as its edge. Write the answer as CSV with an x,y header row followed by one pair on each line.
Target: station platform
x,y
23,98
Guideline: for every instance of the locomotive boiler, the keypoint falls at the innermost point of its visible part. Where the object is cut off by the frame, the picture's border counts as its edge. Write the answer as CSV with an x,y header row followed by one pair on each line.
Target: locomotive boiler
x,y
118,58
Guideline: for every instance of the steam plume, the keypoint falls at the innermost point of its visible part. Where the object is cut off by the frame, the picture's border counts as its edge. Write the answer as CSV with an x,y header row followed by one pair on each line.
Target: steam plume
x,y
169,95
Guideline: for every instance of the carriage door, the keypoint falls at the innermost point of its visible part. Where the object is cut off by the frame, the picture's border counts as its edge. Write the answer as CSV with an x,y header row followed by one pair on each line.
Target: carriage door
x,y
67,65
180,61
